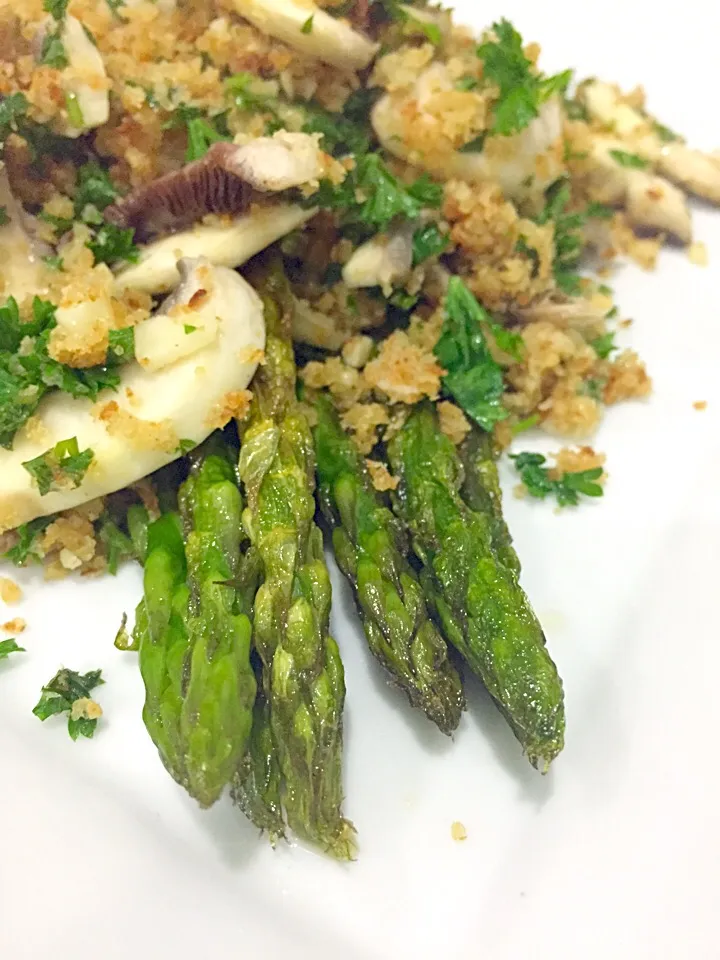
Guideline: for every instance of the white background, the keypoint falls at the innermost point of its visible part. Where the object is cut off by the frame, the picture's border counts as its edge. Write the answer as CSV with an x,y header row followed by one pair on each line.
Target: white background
x,y
615,853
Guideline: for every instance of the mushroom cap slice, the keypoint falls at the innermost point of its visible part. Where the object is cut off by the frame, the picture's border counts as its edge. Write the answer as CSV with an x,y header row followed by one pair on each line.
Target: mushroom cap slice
x,y
330,39
137,429
223,181
383,260
524,163
225,245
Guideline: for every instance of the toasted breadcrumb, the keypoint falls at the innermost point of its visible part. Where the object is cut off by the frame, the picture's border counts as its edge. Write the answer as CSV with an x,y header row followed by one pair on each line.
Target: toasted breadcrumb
x,y
569,460
403,371
234,405
10,592
697,254
700,405
453,422
141,434
16,625
85,709
362,421
381,477
458,831
627,379
346,384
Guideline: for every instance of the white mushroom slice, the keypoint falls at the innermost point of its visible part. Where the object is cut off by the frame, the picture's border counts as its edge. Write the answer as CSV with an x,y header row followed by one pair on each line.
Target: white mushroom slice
x,y
21,269
276,163
651,202
311,30
84,80
225,245
577,314
316,328
698,172
382,261
524,164
137,429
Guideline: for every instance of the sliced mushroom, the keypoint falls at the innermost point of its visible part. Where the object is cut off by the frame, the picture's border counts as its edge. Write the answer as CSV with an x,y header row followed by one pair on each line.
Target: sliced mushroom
x,y
696,171
652,202
21,268
306,27
577,314
84,80
523,164
225,245
223,181
383,261
176,395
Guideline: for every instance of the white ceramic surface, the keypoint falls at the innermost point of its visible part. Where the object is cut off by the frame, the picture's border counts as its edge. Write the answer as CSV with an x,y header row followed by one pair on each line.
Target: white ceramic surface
x,y
615,853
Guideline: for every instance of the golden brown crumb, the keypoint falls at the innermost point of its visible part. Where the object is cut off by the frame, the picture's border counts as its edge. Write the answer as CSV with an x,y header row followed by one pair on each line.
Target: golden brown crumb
x,y
697,254
453,422
357,351
16,625
403,371
627,379
234,405
141,434
362,421
346,384
381,477
458,831
569,460
700,405
10,592
86,709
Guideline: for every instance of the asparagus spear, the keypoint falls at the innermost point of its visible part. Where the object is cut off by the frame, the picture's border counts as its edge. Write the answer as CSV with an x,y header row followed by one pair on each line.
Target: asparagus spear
x,y
194,645
482,608
371,550
481,491
302,671
256,785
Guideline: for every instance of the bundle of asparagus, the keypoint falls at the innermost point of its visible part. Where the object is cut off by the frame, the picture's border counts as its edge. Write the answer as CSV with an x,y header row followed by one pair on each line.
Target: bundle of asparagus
x,y
244,685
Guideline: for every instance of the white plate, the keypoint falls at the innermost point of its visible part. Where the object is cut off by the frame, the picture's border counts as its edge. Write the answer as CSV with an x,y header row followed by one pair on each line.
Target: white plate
x,y
615,853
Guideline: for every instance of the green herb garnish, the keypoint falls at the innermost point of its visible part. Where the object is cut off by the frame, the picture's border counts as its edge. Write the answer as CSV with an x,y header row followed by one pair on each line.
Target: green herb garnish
x,y
567,489
69,692
9,646
59,467
604,345
631,160
428,241
308,25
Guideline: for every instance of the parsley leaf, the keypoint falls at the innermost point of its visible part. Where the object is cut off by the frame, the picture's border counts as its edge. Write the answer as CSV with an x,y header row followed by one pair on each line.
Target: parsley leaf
x,y
28,534
522,90
568,242
56,8
94,187
631,160
428,241
604,345
112,243
202,131
340,135
665,133
59,467
69,692
54,261
360,103
185,446
121,345
473,377
567,489
371,196
9,646
308,25
53,53
118,545
4,218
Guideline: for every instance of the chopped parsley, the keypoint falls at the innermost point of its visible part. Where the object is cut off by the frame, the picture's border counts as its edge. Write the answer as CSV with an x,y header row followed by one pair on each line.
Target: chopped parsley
x,y
118,545
473,377
9,646
475,145
94,187
189,328
121,345
202,131
631,160
185,446
53,53
428,241
665,133
26,549
522,89
4,218
604,345
360,102
61,467
340,135
568,242
308,25
527,423
69,692
567,489
74,111
53,261
467,83
112,243
371,196
56,8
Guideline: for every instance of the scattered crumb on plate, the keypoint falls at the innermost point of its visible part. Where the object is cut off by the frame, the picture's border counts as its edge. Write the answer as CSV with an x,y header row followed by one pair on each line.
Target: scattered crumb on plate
x,y
700,405
458,831
14,626
697,254
10,592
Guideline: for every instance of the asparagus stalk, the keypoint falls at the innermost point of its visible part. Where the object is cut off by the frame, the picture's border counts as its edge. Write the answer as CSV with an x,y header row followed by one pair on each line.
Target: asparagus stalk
x,y
481,491
302,672
482,608
194,645
370,547
257,783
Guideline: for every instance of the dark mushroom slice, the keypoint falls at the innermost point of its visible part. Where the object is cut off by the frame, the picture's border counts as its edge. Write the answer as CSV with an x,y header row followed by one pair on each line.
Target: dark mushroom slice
x,y
224,181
